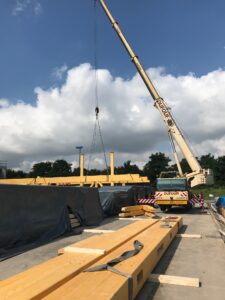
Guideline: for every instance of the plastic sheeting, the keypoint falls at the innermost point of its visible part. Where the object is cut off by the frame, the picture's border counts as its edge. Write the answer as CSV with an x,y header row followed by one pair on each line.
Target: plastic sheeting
x,y
221,202
85,203
113,198
33,215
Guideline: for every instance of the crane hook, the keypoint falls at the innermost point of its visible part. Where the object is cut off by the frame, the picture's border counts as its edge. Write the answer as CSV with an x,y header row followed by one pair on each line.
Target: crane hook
x,y
96,111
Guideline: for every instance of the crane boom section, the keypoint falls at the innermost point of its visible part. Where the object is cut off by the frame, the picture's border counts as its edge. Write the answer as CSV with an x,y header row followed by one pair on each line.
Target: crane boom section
x,y
159,103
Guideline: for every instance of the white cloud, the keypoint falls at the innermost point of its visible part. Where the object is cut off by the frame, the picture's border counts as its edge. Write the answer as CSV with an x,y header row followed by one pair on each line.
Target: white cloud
x,y
58,73
21,6
26,165
63,117
4,103
37,8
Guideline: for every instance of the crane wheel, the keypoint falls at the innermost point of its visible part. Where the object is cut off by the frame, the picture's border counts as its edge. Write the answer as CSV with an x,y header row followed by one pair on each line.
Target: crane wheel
x,y
163,207
188,206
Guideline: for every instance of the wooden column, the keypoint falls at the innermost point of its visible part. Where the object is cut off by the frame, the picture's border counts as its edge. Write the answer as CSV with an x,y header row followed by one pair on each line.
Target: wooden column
x,y
112,160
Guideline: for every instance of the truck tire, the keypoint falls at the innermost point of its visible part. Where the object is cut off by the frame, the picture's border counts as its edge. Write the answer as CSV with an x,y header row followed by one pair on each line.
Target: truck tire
x,y
163,207
188,206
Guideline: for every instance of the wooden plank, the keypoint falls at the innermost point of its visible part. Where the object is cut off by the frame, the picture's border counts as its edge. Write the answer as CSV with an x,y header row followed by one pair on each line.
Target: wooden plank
x,y
70,249
80,180
131,208
131,219
98,230
191,236
148,214
132,213
222,232
148,208
74,219
42,279
112,240
170,219
74,222
108,285
177,280
75,226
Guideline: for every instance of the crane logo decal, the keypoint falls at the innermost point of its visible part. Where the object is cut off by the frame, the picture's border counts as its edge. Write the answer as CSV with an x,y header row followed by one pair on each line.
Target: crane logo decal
x,y
162,107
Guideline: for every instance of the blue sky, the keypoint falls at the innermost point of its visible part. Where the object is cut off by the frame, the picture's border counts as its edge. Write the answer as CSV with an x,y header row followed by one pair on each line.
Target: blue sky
x,y
182,36
47,79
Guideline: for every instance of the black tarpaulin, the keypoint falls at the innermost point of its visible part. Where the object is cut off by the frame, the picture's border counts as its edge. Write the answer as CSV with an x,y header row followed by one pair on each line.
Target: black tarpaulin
x,y
85,203
113,198
29,217
34,215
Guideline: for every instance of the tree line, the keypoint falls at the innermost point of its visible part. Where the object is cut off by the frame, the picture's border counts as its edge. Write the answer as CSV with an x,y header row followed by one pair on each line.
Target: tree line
x,y
157,163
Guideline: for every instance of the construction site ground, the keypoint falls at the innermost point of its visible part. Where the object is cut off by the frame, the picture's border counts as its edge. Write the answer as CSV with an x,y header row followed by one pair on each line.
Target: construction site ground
x,y
202,258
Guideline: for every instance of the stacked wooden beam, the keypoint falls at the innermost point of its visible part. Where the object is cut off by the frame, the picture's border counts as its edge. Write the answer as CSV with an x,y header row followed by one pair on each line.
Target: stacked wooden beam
x,y
109,285
136,210
74,221
110,241
40,280
63,277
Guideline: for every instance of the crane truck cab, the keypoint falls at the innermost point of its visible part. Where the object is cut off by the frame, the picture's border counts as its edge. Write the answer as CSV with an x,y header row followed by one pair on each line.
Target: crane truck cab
x,y
172,192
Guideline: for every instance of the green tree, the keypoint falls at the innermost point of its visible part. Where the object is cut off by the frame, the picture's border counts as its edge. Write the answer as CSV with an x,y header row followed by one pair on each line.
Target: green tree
x,y
60,168
208,161
42,169
94,172
130,168
157,163
10,173
127,168
219,171
185,166
76,172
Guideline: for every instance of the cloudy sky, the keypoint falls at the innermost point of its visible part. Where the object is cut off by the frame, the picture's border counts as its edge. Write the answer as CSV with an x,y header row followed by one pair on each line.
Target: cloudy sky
x,y
48,78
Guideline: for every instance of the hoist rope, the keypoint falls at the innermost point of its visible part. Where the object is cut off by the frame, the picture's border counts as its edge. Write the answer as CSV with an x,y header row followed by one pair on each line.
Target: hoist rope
x,y
95,54
97,127
103,147
92,146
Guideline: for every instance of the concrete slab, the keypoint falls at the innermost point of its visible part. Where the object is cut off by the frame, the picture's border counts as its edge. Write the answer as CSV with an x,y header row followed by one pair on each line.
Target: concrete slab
x,y
38,255
203,258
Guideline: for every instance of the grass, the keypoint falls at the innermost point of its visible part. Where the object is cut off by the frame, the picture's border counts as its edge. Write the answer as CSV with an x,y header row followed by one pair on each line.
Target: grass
x,y
213,190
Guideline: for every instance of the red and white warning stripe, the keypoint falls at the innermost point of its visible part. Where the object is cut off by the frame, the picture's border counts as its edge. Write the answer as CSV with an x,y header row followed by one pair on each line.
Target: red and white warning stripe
x,y
197,199
146,200
158,194
184,194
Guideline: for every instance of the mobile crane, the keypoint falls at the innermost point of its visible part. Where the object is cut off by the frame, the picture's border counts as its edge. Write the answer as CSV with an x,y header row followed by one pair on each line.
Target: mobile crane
x,y
170,191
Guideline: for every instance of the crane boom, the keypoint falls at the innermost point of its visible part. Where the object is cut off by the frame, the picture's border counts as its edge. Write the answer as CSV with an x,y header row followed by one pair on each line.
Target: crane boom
x,y
198,175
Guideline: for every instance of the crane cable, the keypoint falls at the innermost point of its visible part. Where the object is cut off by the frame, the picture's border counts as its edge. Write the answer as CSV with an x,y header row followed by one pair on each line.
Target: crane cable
x,y
97,127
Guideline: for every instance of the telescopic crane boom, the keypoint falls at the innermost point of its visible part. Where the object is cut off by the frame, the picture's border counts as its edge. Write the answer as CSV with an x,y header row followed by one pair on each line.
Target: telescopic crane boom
x,y
198,175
